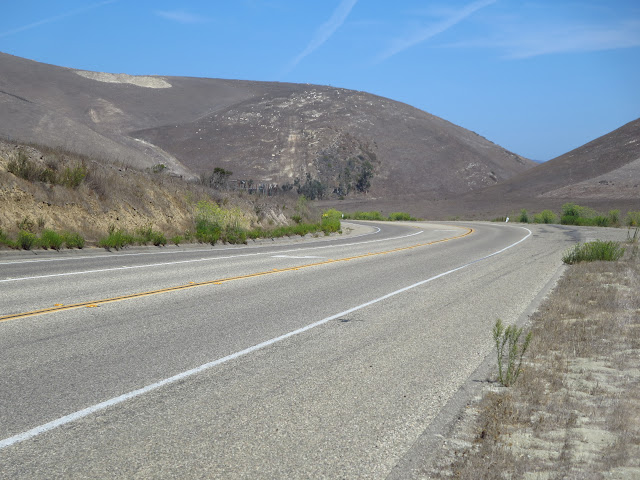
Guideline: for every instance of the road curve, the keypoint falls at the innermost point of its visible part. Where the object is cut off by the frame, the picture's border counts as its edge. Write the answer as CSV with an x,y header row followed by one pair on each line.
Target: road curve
x,y
327,357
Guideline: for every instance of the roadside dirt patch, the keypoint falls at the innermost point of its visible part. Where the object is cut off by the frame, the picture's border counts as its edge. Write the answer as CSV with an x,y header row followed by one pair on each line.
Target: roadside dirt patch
x,y
575,410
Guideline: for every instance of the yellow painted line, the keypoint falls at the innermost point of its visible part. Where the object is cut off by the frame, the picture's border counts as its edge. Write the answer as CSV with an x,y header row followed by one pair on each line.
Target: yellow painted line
x,y
95,303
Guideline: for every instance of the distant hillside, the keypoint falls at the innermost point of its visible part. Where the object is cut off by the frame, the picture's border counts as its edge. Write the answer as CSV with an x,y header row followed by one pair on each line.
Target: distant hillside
x,y
605,168
603,174
264,132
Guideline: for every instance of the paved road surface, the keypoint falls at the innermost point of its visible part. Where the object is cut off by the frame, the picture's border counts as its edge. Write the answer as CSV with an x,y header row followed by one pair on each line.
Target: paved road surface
x,y
286,359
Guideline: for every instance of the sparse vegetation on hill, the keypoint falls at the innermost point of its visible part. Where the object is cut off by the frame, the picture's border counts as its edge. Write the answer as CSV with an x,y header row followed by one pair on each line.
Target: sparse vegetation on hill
x,y
52,198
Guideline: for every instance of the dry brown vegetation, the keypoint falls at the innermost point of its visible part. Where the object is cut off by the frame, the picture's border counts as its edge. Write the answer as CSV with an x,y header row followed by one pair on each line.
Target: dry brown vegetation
x,y
111,196
575,410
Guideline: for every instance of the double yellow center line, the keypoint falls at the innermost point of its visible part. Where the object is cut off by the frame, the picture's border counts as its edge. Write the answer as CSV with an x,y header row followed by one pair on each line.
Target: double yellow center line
x,y
95,303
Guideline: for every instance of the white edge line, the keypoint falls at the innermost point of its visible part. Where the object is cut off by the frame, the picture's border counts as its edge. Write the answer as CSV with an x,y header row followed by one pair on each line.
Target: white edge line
x,y
72,417
149,265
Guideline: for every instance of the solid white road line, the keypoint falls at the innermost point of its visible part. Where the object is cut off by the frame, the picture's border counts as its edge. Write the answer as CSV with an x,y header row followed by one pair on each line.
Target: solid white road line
x,y
72,417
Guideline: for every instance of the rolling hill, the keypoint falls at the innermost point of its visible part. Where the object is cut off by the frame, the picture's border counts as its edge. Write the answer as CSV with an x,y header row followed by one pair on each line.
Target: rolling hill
x,y
604,173
282,134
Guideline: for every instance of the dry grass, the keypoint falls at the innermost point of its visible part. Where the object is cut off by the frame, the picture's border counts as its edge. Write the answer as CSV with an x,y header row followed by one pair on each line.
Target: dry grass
x,y
575,410
113,195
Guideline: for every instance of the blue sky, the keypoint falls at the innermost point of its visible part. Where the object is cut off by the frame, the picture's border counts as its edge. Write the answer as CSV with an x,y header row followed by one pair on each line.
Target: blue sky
x,y
537,77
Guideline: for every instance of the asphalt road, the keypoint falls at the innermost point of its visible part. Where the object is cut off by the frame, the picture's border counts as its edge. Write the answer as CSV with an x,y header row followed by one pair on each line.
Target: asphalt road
x,y
322,358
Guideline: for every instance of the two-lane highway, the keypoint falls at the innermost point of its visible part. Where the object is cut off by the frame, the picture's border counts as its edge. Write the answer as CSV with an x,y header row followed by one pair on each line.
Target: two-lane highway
x,y
327,357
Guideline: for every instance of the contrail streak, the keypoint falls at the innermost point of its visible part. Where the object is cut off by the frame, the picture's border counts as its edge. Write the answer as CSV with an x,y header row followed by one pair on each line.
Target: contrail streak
x,y
55,18
324,31
427,33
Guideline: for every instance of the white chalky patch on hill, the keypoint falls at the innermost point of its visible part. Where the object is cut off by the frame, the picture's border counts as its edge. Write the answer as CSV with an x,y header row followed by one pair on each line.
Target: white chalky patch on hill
x,y
139,81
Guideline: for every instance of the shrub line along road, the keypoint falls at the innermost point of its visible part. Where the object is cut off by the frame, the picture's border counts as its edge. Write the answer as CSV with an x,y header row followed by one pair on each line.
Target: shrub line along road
x,y
320,358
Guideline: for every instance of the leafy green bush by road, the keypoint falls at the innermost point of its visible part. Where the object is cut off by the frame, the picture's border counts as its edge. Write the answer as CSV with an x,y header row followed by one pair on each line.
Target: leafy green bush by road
x,y
593,251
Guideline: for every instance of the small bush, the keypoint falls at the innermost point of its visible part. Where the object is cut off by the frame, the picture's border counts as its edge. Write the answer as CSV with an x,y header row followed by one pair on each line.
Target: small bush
x,y
22,167
524,216
633,219
5,240
256,233
73,240
50,239
331,221
401,216
26,239
365,216
509,337
234,235
116,239
593,251
158,239
545,216
614,217
72,177
177,240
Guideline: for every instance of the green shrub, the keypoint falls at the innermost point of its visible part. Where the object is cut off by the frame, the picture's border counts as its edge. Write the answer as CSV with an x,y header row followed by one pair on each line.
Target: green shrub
x,y
524,216
116,239
234,235
593,251
545,216
509,337
177,240
614,217
401,216
365,216
22,167
256,233
573,214
26,239
633,219
5,240
50,239
72,177
73,240
158,239
331,221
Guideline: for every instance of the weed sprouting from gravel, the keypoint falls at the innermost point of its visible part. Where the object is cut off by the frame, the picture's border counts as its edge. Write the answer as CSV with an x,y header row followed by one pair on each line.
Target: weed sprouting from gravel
x,y
509,368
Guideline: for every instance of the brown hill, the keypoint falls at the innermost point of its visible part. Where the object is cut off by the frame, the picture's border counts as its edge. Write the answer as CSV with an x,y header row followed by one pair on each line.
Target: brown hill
x,y
604,173
261,131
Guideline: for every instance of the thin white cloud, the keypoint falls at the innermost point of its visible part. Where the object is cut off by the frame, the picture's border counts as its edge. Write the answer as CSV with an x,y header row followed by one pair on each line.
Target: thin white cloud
x,y
181,16
429,32
527,41
55,18
324,31
572,39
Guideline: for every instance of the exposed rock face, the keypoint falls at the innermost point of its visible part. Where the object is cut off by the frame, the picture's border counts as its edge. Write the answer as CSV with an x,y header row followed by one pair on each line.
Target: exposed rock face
x,y
336,136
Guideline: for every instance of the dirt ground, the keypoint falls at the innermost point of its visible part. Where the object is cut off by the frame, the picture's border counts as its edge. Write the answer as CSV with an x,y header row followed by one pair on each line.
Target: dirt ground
x,y
575,410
